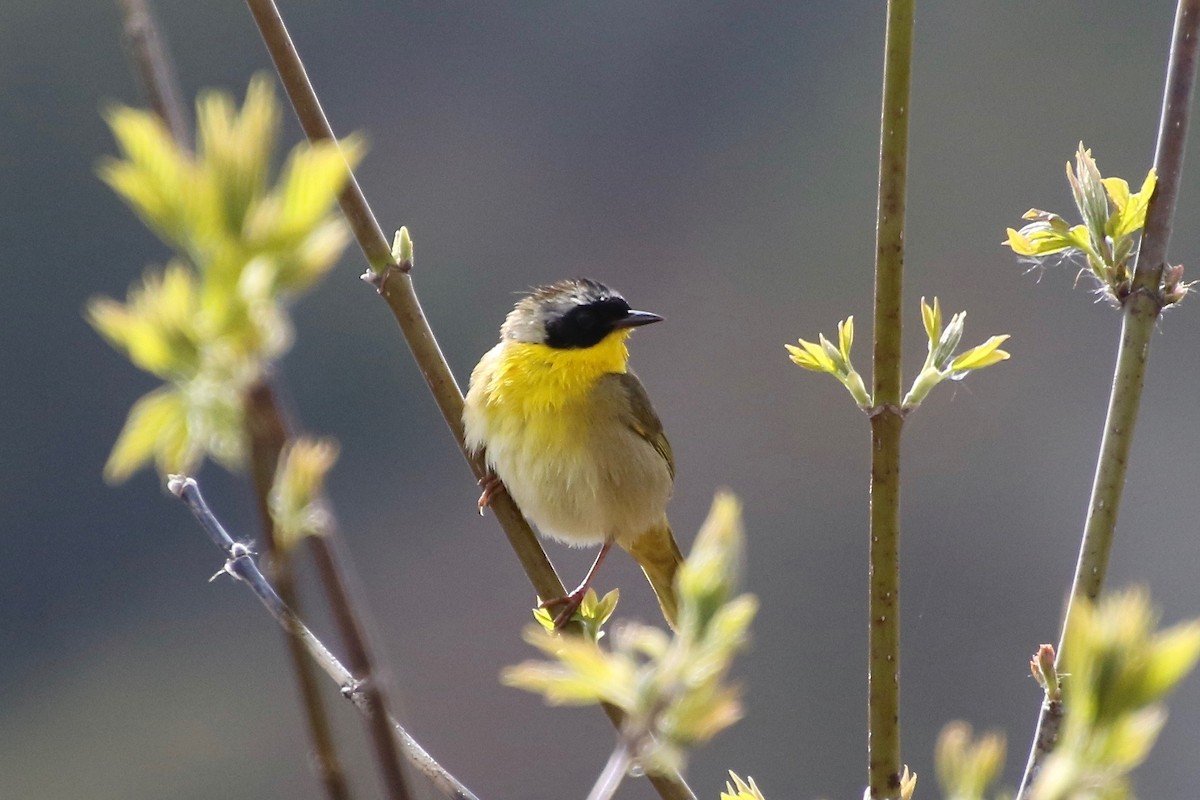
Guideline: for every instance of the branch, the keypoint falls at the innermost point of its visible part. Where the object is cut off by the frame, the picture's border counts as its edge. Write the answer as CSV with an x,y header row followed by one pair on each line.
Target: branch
x,y
887,419
1139,318
361,663
265,425
144,42
614,772
394,284
240,564
267,432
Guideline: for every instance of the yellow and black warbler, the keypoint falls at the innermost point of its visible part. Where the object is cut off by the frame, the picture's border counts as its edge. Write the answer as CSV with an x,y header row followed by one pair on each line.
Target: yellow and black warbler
x,y
569,431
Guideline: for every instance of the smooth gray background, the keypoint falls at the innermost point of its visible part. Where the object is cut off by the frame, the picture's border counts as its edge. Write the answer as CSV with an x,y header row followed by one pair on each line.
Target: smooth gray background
x,y
716,162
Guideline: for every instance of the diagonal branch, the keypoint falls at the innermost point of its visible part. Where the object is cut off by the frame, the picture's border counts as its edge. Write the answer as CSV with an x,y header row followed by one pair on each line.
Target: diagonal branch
x,y
267,429
144,41
241,565
394,284
1140,314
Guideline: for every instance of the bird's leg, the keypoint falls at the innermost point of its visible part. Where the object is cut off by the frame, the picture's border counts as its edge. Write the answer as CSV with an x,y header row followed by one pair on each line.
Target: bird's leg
x,y
572,599
490,483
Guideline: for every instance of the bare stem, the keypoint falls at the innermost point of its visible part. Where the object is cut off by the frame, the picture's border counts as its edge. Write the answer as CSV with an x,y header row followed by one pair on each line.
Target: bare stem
x,y
394,283
144,41
267,432
887,418
240,564
395,286
1139,317
359,658
606,785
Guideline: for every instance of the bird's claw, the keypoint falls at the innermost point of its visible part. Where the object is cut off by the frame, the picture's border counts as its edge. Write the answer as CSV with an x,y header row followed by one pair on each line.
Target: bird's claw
x,y
570,603
490,483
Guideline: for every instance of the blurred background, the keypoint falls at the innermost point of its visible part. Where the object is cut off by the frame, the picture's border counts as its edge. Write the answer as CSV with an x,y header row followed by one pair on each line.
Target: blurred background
x,y
716,162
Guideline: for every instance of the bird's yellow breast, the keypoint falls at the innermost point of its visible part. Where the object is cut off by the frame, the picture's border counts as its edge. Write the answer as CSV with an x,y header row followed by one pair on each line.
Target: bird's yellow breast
x,y
554,436
538,399
532,380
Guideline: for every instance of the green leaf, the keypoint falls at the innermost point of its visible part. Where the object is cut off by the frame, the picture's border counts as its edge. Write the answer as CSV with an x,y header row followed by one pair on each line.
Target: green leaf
x,y
741,789
932,315
846,337
1132,215
154,173
812,356
981,356
156,426
1172,656
1091,198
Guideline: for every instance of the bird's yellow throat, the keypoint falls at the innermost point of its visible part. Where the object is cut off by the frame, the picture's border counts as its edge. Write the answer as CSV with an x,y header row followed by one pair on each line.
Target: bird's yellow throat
x,y
533,378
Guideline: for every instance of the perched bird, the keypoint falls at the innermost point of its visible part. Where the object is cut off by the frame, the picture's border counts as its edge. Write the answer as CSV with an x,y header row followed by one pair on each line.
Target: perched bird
x,y
569,431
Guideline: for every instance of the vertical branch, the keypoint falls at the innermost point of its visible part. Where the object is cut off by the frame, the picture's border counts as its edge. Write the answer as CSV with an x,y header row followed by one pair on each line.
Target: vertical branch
x,y
1140,312
883,694
267,434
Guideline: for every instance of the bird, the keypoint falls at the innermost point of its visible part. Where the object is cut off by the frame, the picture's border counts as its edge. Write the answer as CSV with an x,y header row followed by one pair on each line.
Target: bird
x,y
569,431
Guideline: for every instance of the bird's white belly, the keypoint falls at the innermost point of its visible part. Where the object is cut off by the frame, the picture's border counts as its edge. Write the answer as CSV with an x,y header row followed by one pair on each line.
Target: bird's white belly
x,y
579,495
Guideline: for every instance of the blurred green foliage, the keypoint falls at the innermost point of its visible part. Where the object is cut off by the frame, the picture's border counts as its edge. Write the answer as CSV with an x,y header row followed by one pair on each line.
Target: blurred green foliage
x,y
1117,671
673,691
215,317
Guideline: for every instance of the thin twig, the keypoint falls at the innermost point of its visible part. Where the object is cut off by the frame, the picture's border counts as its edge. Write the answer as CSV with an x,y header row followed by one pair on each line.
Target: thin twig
x,y
144,41
1139,319
883,694
241,565
267,431
614,772
394,284
361,663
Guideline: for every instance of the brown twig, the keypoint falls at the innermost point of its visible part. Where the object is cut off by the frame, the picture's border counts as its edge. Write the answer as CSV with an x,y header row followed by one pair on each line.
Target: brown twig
x,y
265,421
240,564
144,41
267,432
361,664
394,284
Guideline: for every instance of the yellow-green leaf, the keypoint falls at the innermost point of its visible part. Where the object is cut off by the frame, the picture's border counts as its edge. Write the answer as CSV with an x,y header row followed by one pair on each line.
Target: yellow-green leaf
x,y
1172,656
812,356
741,789
155,424
846,337
983,355
1133,216
932,315
154,174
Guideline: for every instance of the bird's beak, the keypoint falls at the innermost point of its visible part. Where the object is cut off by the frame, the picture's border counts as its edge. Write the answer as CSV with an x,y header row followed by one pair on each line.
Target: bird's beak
x,y
636,319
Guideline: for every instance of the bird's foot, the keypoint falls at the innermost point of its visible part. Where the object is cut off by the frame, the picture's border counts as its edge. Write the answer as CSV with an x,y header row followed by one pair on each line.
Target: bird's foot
x,y
569,602
490,483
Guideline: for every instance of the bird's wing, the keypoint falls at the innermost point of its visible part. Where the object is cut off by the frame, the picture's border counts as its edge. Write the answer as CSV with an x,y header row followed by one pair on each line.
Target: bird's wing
x,y
638,414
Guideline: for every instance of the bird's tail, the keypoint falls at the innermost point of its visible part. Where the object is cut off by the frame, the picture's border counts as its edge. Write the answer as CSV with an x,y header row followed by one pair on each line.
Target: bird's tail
x,y
658,555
